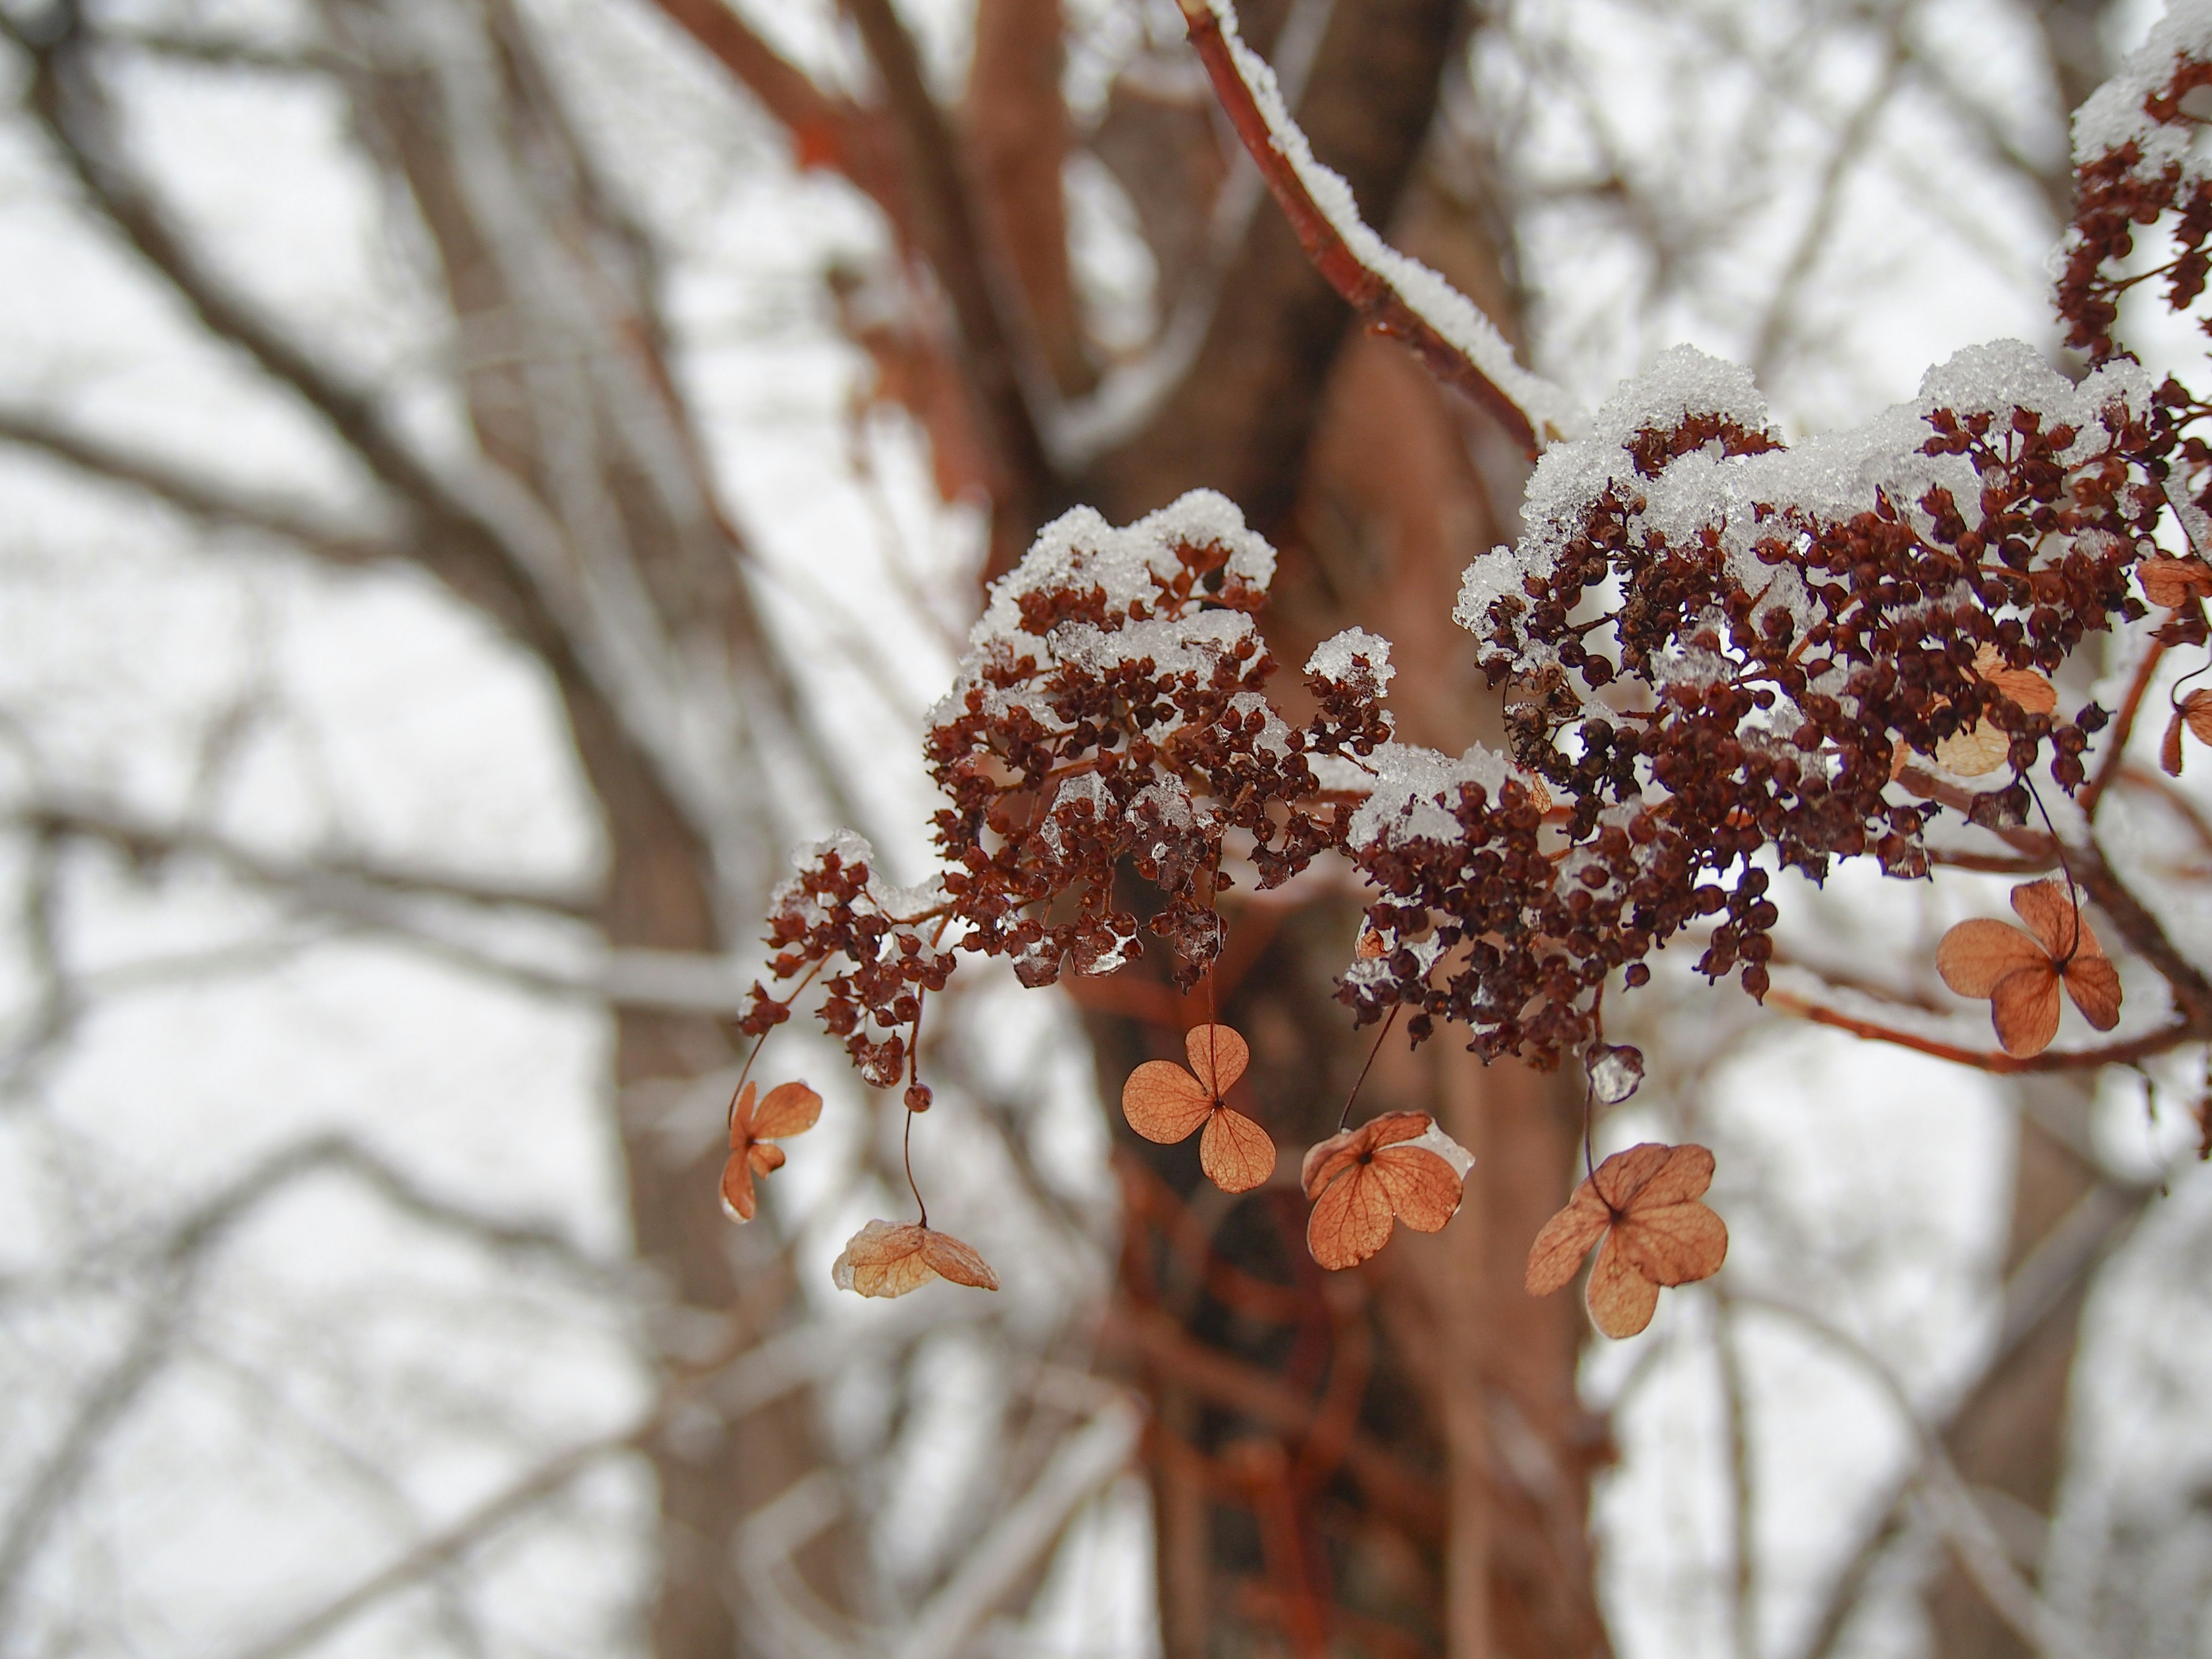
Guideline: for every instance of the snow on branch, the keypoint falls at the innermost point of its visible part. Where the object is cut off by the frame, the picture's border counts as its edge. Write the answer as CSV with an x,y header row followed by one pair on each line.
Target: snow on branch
x,y
1393,294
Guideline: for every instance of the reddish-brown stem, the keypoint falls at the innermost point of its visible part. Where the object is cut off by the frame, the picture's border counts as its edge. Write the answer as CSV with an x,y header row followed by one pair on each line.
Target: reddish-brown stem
x,y
1345,1116
2166,1037
2122,726
1380,305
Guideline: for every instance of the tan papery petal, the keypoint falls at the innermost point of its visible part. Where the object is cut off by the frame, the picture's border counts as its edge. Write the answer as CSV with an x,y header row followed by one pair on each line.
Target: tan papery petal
x,y
1392,1128
1164,1102
1686,1173
2024,1009
1421,1187
737,1189
741,1119
959,1263
1673,1243
1975,954
2196,711
1980,749
1235,1153
2095,984
2169,750
2050,913
885,1258
1621,1176
1565,1240
1217,1055
789,1109
1350,1222
765,1157
1621,1300
1325,1158
2171,583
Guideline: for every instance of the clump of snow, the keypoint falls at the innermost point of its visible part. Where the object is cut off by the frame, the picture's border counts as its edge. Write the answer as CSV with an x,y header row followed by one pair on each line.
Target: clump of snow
x,y
1551,411
2113,115
1414,790
1333,658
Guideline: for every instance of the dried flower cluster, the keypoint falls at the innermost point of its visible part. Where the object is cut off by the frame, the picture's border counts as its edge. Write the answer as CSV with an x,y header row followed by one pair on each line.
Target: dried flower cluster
x,y
1723,655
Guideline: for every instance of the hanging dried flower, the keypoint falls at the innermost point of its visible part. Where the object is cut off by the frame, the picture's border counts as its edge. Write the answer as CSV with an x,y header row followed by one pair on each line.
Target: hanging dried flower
x,y
1644,1203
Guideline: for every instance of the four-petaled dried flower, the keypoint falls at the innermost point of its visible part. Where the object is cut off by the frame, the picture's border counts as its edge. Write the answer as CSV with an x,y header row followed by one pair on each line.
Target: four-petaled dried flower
x,y
1645,1202
2194,712
789,1109
1361,1178
2021,972
889,1258
1164,1102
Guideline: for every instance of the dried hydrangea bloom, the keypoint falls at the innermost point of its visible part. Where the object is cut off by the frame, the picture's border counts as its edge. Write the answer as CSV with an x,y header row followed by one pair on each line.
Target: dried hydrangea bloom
x,y
2020,972
1363,1180
889,1258
789,1109
1644,1203
1165,1103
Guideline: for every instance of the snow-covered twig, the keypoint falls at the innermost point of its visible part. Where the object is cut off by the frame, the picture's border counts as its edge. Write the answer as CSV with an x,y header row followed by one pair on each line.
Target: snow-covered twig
x,y
1393,295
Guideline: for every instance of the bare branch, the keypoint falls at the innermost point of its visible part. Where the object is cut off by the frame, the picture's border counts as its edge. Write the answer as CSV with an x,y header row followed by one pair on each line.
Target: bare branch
x,y
982,298
192,494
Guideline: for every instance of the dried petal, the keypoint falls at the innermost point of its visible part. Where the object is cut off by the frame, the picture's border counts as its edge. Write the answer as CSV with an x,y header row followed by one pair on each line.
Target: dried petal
x,y
1164,1102
1351,1220
1975,954
2196,710
738,1202
765,1157
1673,1243
2171,583
1620,1299
2095,984
2169,750
1626,1174
789,1109
954,1260
1219,1056
1565,1240
889,1258
2023,685
2024,1009
1980,749
741,1119
1421,1187
2053,917
1235,1153
1686,1173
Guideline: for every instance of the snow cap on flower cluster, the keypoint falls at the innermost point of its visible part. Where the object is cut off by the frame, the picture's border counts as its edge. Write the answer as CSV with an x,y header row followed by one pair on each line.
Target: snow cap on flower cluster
x,y
1832,475
2113,115
1550,411
886,895
1415,789
1331,657
1080,551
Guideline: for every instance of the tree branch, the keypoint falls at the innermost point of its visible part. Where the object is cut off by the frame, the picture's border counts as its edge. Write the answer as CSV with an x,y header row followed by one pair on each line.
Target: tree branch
x,y
981,298
1393,294
191,496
